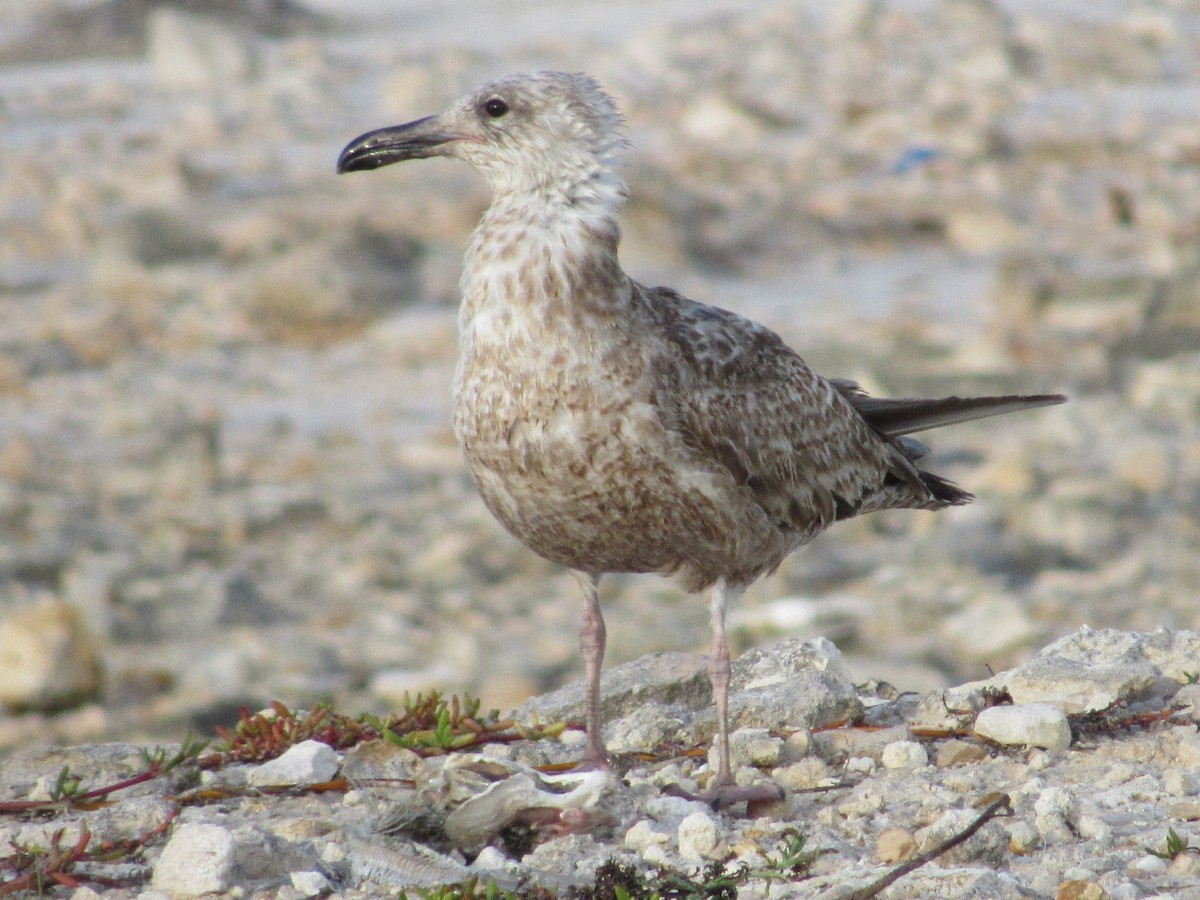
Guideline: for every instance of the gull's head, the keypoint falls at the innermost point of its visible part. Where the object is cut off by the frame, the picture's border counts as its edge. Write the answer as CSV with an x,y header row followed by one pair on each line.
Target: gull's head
x,y
523,132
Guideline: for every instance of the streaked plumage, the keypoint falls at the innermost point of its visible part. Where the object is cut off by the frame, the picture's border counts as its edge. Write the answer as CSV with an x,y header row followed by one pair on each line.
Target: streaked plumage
x,y
618,428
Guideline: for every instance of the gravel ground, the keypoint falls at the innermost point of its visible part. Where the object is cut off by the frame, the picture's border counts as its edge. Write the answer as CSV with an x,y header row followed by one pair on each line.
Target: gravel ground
x,y
226,469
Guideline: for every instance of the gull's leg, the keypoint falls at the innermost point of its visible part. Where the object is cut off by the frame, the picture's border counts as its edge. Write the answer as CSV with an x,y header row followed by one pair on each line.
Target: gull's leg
x,y
718,676
724,791
591,645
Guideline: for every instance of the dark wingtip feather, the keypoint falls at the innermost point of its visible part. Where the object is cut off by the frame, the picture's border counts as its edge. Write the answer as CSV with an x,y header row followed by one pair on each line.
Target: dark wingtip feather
x,y
945,491
895,417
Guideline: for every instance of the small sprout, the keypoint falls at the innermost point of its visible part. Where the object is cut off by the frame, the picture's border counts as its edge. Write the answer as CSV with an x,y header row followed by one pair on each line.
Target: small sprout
x,y
1191,677
1175,846
265,735
793,860
67,786
467,890
158,761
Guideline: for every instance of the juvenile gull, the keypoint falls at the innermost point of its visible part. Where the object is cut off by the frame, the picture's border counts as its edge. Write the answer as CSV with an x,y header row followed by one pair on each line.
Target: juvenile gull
x,y
613,427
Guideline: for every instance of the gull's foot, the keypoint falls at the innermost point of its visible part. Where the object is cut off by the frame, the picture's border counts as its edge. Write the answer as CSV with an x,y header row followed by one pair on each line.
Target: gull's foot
x,y
593,762
757,797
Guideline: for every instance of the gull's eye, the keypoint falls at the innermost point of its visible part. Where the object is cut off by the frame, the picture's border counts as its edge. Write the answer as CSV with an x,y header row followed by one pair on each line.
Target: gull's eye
x,y
495,107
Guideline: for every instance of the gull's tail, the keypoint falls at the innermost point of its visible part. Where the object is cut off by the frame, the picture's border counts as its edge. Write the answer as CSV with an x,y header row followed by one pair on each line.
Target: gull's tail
x,y
900,417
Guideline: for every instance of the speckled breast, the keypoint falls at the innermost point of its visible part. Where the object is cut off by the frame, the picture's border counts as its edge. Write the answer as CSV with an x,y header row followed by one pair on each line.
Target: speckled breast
x,y
576,464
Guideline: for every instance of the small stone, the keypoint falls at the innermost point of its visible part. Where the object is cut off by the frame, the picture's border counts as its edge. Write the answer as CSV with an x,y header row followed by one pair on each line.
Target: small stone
x,y
1057,814
1148,865
841,743
895,845
807,773
959,753
1144,464
988,845
1188,696
1077,889
309,762
643,835
490,858
699,836
861,765
649,843
798,744
310,883
197,860
195,52
1185,864
1093,829
749,747
48,659
1031,725
1188,810
990,628
904,755
1023,838
1180,783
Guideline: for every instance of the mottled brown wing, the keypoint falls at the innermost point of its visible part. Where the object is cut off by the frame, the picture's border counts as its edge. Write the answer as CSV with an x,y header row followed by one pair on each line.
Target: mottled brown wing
x,y
742,399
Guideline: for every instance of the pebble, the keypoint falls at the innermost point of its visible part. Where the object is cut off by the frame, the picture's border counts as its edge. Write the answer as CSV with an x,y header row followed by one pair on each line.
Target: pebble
x,y
1057,814
988,846
309,762
310,883
1030,725
699,836
1079,889
751,747
48,658
954,752
807,773
1145,866
904,755
1181,783
895,845
198,859
1023,838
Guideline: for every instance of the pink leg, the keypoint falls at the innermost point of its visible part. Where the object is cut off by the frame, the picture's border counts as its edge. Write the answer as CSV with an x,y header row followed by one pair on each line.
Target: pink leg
x,y
591,645
718,676
724,791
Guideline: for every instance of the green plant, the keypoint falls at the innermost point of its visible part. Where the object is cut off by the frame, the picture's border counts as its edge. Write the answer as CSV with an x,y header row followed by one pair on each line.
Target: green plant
x,y
1175,845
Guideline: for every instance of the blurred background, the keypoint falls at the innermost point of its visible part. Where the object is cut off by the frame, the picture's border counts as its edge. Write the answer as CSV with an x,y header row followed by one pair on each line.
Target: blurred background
x,y
227,473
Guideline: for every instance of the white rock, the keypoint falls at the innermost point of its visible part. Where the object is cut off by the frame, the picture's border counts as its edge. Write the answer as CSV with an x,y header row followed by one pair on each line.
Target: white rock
x,y
195,52
643,835
807,773
699,835
1057,814
1031,725
1148,865
47,657
988,628
1023,838
861,765
904,755
1093,828
1180,782
308,762
749,747
989,845
197,860
310,883
490,858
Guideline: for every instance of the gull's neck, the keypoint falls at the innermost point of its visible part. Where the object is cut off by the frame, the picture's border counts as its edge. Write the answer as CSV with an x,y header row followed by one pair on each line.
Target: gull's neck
x,y
549,247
